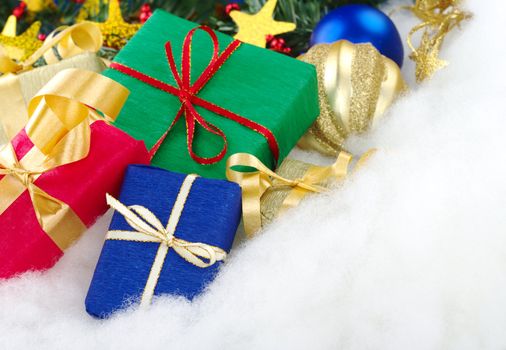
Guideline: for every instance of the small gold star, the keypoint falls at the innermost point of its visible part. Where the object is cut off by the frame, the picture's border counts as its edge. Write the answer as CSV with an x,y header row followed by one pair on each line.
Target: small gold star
x,y
10,26
438,17
38,5
19,47
116,30
253,29
426,58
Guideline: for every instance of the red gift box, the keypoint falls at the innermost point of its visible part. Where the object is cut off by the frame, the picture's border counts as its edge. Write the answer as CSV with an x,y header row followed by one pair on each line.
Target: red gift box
x,y
80,185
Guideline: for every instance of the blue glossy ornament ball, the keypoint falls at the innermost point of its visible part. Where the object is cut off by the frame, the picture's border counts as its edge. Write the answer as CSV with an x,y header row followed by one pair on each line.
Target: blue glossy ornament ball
x,y
360,24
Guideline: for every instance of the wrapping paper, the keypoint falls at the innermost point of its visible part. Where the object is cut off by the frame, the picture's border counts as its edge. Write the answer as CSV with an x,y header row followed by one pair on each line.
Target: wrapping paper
x,y
82,185
27,84
271,89
211,215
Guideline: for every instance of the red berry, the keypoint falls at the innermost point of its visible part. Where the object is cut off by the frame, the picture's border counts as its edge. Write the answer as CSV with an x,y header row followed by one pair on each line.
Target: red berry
x,y
22,4
18,12
232,7
144,16
41,36
277,44
145,8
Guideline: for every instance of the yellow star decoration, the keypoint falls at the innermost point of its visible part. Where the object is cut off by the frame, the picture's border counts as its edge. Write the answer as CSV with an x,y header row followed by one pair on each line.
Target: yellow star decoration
x,y
253,29
38,5
19,47
116,30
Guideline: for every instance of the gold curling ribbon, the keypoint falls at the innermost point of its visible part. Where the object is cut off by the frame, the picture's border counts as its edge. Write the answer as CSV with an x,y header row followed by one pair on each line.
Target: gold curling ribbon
x,y
68,42
60,116
439,17
148,228
356,85
17,90
262,182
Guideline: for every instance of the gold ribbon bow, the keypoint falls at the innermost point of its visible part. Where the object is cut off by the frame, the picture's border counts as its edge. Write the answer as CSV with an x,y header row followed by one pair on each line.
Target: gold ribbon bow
x,y
255,184
149,229
59,128
68,42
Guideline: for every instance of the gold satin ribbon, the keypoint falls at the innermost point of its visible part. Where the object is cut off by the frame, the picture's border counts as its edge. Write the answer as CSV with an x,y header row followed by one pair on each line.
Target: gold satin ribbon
x,y
13,110
68,42
148,228
256,183
60,116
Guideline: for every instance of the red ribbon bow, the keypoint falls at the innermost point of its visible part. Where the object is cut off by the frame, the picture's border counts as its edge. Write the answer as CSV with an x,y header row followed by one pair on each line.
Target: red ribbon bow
x,y
187,94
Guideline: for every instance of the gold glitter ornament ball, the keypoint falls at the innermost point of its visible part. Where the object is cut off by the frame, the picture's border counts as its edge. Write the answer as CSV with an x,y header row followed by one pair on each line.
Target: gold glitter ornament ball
x,y
356,84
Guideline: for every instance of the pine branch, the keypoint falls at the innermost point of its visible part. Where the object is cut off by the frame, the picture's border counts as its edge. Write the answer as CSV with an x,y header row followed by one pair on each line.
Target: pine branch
x,y
304,13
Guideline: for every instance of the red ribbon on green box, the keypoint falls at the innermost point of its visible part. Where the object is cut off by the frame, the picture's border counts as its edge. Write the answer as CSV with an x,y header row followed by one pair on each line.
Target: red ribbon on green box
x,y
187,94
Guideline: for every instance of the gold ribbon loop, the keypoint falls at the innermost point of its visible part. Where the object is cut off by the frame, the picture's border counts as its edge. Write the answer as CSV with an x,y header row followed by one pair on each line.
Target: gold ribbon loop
x,y
148,228
59,128
256,183
68,42
62,106
72,41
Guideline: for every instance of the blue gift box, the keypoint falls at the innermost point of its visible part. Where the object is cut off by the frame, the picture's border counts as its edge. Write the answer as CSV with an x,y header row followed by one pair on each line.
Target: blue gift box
x,y
209,215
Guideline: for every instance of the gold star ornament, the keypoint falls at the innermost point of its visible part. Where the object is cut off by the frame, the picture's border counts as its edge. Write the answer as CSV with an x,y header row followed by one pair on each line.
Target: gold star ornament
x,y
253,29
115,29
19,47
426,58
439,17
38,5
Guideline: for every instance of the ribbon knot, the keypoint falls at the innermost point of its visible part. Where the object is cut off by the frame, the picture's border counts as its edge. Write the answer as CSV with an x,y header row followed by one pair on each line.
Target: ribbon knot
x,y
169,240
305,183
187,92
10,165
23,175
148,228
185,96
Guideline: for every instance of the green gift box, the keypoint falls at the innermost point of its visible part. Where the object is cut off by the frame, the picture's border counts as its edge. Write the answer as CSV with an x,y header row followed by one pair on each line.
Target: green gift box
x,y
259,101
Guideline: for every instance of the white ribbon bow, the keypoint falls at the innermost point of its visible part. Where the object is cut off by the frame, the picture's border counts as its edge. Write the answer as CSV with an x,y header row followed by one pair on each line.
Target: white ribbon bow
x,y
149,229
